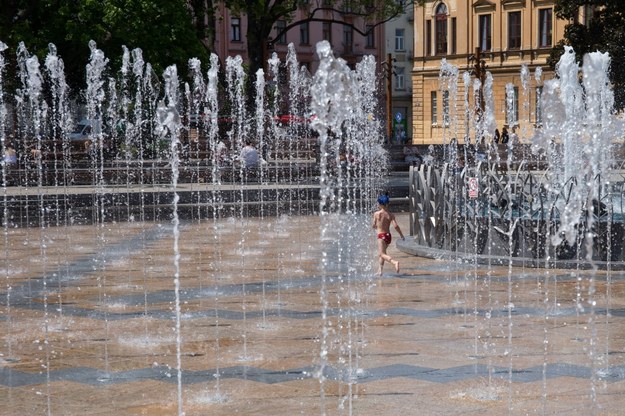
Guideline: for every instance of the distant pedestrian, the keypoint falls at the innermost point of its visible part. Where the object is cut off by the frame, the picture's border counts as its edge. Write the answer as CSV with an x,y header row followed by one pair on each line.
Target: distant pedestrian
x,y
514,138
497,136
504,135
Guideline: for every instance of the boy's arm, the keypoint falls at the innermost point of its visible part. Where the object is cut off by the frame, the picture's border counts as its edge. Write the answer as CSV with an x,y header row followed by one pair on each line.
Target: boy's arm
x,y
375,220
396,225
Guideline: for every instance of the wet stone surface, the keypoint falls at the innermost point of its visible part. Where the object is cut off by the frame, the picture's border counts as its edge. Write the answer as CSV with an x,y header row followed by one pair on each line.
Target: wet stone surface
x,y
88,325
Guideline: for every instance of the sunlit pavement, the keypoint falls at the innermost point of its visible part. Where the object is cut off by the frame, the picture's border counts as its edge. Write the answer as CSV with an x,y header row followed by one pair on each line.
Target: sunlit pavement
x,y
89,318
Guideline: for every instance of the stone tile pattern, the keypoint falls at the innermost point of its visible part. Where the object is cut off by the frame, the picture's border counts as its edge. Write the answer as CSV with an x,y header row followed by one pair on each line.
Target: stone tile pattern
x,y
88,319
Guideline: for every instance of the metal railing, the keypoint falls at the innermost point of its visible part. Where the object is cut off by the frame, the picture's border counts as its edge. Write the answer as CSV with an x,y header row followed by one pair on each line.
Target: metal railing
x,y
517,215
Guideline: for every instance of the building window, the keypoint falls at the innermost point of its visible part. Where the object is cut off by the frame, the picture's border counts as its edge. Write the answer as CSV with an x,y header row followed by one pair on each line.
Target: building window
x,y
589,13
235,27
514,30
445,108
485,35
348,38
304,34
545,26
327,31
280,34
399,79
454,32
539,106
428,37
434,106
370,36
512,105
399,39
441,29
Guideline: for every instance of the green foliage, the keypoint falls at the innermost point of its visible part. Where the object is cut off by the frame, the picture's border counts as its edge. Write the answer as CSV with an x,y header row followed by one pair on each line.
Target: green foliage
x,y
604,31
167,31
163,29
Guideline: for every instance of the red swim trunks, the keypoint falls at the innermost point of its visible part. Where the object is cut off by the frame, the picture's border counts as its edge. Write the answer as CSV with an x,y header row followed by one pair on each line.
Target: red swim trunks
x,y
386,237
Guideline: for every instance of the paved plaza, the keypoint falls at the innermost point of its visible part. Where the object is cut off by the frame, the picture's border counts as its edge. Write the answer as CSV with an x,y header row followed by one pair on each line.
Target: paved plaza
x,y
277,318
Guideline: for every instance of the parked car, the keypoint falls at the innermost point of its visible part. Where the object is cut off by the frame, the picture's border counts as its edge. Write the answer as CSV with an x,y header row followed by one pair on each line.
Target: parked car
x,y
85,134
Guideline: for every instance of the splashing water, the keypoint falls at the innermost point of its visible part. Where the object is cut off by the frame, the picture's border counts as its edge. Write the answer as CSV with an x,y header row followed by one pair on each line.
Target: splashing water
x,y
140,168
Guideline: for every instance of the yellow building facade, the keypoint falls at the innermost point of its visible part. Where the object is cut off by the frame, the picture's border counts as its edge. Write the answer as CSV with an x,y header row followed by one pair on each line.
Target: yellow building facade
x,y
504,35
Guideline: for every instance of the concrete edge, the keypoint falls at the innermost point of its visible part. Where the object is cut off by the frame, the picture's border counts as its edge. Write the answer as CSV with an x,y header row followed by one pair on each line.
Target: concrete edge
x,y
410,246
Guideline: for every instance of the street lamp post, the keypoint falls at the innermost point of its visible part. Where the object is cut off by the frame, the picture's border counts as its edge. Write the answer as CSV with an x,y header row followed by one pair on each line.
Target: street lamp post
x,y
479,71
389,98
388,72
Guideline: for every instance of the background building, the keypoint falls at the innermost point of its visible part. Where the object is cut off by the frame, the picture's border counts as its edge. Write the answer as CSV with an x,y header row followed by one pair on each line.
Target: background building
x,y
505,34
399,34
346,43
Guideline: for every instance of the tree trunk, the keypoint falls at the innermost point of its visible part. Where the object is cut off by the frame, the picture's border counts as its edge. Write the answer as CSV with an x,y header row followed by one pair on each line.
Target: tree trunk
x,y
204,22
258,31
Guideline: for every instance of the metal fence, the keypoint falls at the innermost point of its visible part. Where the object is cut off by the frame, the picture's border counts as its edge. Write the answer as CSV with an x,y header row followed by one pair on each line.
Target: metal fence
x,y
495,214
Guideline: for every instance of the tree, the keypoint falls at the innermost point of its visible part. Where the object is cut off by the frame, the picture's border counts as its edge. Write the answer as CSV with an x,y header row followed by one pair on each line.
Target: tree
x,y
263,14
163,29
603,30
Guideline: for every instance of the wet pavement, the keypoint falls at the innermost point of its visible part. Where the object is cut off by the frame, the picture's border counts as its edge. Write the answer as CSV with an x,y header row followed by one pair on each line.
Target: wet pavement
x,y
279,318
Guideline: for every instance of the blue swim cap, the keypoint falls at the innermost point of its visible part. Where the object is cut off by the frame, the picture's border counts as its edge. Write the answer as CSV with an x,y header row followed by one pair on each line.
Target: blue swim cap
x,y
383,199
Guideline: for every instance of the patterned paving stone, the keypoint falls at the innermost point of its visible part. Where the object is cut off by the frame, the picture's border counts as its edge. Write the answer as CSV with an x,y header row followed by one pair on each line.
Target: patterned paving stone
x,y
285,316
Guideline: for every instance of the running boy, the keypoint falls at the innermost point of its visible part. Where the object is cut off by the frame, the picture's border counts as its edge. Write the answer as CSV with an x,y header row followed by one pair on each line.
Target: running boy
x,y
382,221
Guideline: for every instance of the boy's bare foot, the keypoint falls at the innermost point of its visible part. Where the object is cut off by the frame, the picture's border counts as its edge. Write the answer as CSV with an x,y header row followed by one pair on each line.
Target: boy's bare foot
x,y
396,266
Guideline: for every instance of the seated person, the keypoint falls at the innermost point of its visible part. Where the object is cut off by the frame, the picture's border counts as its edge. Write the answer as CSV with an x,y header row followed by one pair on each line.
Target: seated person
x,y
10,156
412,156
249,156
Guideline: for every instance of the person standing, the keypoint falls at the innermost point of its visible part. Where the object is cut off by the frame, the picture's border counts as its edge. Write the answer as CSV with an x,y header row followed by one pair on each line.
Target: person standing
x,y
497,136
514,138
382,221
504,135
